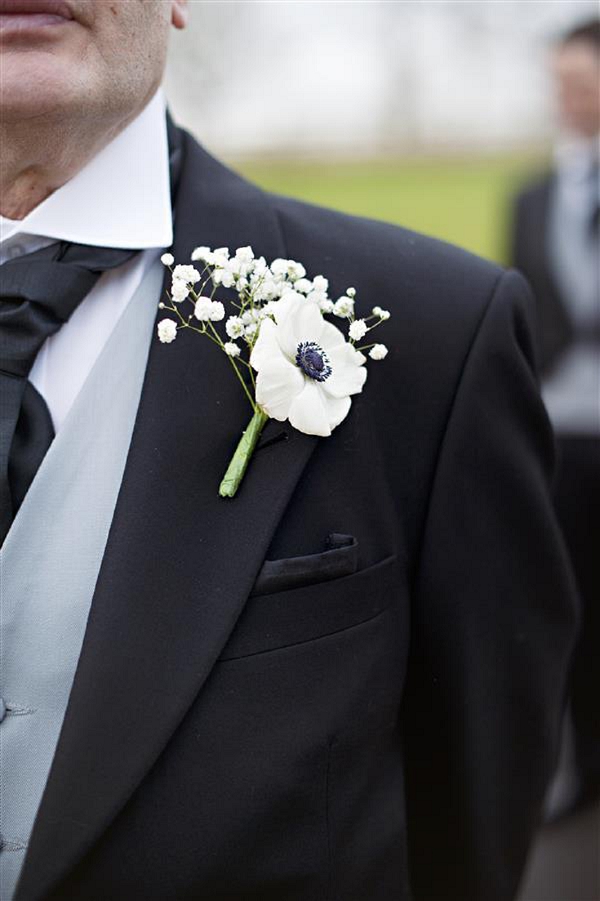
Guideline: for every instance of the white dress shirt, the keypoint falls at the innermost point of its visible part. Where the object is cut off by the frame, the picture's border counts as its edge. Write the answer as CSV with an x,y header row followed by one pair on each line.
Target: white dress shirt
x,y
572,390
121,198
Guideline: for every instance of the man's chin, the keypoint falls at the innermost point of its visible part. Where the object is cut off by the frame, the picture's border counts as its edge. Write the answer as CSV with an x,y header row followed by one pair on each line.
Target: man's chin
x,y
37,85
32,99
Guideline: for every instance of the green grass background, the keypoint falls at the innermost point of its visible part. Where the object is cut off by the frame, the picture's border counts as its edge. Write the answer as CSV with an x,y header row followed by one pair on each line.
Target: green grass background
x,y
465,201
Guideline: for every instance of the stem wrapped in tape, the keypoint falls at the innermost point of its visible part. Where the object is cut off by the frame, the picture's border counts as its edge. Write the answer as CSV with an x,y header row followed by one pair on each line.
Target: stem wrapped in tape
x,y
243,452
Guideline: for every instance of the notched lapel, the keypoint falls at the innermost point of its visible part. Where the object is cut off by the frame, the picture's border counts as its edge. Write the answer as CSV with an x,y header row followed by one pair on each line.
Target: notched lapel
x,y
180,561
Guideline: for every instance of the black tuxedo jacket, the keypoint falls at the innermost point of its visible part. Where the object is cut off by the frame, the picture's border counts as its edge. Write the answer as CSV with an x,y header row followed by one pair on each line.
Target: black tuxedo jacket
x,y
530,255
366,725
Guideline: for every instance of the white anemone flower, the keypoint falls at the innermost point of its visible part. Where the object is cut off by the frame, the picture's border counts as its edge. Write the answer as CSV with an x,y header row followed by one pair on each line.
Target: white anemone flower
x,y
307,371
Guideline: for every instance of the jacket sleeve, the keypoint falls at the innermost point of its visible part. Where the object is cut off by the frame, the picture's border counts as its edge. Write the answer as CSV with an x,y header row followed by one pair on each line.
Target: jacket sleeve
x,y
493,623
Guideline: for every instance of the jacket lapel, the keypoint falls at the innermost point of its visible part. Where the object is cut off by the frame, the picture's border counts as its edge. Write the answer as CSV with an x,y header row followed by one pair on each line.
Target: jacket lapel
x,y
179,561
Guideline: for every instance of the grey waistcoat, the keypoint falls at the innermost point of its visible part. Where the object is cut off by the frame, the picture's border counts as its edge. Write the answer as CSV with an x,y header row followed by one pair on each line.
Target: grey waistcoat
x,y
49,565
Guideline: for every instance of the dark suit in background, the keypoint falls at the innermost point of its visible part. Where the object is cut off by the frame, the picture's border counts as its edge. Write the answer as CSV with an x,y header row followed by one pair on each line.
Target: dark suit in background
x,y
530,255
560,331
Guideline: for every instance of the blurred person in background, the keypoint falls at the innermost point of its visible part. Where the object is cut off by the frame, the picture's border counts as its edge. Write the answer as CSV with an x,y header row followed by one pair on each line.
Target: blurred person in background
x,y
556,245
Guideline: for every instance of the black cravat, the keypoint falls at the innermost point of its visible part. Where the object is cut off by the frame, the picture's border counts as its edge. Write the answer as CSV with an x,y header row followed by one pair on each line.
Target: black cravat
x,y
38,294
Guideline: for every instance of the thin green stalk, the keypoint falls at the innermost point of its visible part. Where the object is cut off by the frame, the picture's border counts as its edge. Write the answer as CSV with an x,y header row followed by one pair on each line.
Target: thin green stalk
x,y
243,452
235,368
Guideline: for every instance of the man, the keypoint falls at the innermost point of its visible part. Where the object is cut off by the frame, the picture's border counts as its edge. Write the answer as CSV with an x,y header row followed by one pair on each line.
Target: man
x,y
170,730
557,246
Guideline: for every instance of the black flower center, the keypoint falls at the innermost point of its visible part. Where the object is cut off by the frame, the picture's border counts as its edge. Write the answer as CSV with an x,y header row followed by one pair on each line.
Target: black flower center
x,y
313,361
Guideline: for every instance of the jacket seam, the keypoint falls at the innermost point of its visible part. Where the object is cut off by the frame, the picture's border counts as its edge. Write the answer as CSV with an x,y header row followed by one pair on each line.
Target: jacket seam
x,y
280,227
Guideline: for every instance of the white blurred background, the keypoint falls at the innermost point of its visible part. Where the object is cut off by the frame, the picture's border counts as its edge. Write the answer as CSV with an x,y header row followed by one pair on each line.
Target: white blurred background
x,y
427,113
365,77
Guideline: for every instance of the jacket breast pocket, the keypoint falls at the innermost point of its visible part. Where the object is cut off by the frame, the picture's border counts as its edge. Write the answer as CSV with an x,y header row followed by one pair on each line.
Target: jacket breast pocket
x,y
340,558
295,615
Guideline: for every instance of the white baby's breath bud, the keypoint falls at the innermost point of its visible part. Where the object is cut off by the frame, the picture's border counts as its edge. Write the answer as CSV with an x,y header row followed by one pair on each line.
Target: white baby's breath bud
x,y
279,267
217,311
358,329
220,256
378,352
227,278
167,259
351,292
234,327
231,349
179,290
234,266
187,274
343,307
384,314
167,330
296,271
245,254
202,253
287,269
161,305
376,311
202,309
320,283
260,267
304,285
326,305
267,290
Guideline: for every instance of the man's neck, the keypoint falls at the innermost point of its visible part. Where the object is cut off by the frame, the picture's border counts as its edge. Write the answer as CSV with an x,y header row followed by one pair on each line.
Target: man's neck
x,y
23,192
38,158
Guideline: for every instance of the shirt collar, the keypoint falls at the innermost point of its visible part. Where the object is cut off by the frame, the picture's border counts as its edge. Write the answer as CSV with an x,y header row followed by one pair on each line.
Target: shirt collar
x,y
121,198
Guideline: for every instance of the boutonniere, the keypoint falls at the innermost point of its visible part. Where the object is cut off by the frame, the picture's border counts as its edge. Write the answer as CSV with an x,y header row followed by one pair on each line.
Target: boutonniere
x,y
291,361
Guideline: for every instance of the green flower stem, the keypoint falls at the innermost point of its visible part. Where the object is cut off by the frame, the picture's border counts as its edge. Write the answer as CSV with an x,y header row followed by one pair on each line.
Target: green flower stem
x,y
218,340
243,452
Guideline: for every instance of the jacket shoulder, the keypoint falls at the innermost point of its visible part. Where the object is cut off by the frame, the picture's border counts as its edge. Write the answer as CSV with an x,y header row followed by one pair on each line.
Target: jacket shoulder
x,y
433,288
